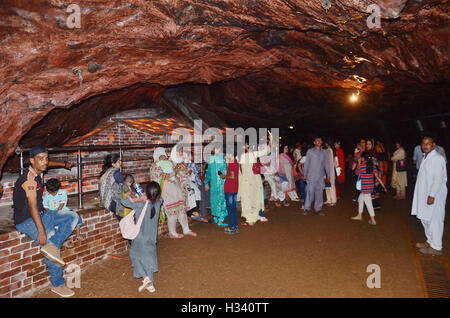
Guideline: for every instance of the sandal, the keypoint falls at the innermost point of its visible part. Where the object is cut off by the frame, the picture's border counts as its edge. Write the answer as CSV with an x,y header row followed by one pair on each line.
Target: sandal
x,y
278,205
247,224
222,224
191,234
177,236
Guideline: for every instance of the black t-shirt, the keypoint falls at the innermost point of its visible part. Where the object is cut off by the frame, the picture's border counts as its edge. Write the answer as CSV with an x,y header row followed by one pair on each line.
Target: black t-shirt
x,y
20,201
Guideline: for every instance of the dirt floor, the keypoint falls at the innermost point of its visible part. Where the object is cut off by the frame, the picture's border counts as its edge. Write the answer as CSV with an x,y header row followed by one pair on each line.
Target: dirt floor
x,y
291,256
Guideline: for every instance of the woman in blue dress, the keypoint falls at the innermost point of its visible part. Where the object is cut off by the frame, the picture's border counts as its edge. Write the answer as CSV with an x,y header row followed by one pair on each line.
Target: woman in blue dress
x,y
143,247
215,184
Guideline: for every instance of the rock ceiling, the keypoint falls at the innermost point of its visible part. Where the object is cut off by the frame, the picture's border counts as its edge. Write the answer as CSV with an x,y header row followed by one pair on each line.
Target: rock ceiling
x,y
249,62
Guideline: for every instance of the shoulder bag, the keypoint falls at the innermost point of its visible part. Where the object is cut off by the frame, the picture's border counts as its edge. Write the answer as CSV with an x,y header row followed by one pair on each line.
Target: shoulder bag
x,y
128,228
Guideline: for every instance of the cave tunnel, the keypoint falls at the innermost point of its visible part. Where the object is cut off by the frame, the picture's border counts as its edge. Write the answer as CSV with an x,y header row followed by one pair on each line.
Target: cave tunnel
x,y
291,65
344,70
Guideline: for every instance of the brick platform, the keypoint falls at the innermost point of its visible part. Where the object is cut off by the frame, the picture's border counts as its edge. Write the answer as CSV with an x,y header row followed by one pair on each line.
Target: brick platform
x,y
22,267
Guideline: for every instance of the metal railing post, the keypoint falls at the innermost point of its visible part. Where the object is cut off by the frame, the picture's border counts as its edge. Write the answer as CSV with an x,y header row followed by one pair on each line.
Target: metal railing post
x,y
120,157
80,186
21,163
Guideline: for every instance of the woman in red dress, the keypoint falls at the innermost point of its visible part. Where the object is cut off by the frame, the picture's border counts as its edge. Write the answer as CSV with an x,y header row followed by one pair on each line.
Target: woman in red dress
x,y
341,162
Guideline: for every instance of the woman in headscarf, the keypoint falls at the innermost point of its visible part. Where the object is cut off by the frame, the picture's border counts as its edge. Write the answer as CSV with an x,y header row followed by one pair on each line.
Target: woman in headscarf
x,y
383,158
399,178
215,184
330,189
112,185
172,194
193,187
370,148
286,171
340,164
270,173
250,191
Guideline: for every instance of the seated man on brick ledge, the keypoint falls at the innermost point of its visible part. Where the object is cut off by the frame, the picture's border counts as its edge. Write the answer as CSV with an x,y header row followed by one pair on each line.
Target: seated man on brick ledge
x,y
31,218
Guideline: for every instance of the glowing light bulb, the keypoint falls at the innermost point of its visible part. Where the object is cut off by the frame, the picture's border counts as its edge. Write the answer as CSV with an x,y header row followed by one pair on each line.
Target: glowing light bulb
x,y
354,97
291,127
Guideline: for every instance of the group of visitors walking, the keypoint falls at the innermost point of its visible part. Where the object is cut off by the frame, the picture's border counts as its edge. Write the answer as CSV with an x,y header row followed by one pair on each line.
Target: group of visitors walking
x,y
177,191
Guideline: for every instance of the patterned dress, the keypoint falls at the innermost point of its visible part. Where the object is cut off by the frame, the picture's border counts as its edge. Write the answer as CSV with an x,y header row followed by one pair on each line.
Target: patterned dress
x,y
172,192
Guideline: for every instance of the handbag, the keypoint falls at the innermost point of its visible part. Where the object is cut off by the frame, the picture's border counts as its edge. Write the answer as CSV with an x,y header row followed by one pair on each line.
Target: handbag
x,y
128,228
257,167
358,184
402,165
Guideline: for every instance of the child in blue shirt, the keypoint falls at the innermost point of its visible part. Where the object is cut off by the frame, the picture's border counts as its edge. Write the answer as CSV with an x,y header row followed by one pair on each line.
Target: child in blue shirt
x,y
56,200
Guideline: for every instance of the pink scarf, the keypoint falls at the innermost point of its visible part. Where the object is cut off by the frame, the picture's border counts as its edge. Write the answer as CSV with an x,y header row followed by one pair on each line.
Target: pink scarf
x,y
286,157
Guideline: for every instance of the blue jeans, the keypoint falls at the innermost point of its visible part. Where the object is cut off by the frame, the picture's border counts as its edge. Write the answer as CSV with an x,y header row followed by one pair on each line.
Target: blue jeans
x,y
230,200
302,188
66,222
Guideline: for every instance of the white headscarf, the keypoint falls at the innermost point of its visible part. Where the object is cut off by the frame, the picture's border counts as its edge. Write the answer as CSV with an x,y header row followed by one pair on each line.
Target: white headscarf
x,y
175,157
158,153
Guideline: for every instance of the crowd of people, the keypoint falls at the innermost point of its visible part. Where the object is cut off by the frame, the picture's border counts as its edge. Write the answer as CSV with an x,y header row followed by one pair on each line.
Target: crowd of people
x,y
231,179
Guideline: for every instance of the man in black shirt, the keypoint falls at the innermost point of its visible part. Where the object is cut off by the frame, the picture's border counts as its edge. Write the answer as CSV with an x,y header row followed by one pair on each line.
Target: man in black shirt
x,y
31,218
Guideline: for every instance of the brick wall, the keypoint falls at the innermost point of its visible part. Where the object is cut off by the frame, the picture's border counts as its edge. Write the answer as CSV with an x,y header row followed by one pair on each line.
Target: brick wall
x,y
22,267
135,161
121,134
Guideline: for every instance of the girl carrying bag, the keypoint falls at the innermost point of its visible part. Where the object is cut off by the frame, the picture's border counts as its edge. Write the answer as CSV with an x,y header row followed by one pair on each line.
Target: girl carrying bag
x,y
128,228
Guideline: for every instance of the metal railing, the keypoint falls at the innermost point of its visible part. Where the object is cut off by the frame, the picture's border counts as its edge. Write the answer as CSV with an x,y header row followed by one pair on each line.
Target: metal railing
x,y
19,151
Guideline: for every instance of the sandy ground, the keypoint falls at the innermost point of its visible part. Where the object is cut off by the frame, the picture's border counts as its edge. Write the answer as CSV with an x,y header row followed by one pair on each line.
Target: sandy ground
x,y
291,256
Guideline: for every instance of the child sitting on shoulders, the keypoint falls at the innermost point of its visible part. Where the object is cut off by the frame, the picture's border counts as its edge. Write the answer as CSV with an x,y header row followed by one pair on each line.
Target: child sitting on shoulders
x,y
56,200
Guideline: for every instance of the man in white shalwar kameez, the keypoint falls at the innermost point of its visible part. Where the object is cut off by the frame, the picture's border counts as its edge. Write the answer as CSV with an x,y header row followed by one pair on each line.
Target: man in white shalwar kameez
x,y
430,194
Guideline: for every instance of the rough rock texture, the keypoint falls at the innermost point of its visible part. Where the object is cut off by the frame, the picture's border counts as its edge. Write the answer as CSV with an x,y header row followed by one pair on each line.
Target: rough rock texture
x,y
250,62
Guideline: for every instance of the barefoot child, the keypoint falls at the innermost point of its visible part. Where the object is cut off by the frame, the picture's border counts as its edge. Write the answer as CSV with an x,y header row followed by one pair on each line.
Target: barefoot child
x,y
56,200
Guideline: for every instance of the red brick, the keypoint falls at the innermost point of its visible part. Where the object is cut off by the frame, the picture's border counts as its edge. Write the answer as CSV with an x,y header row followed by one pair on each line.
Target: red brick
x,y
21,247
109,244
87,258
31,267
41,282
21,290
26,239
69,259
100,253
80,255
9,273
82,247
21,262
100,225
19,277
5,267
9,259
9,243
4,237
37,270
37,257
40,276
30,252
